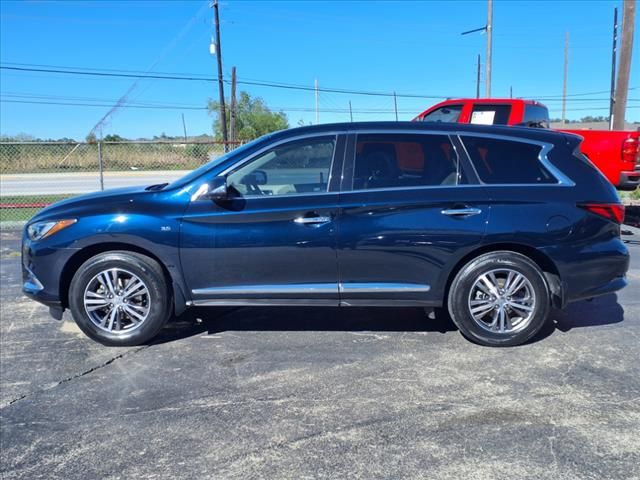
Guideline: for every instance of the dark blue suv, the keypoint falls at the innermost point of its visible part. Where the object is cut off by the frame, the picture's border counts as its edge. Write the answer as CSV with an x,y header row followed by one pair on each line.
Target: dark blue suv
x,y
498,224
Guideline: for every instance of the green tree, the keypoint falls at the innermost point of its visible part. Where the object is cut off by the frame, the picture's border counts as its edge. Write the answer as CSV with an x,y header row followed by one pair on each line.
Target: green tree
x,y
253,118
112,137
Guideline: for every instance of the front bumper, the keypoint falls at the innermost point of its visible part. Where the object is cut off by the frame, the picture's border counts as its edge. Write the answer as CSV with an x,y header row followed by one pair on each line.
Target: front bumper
x,y
42,268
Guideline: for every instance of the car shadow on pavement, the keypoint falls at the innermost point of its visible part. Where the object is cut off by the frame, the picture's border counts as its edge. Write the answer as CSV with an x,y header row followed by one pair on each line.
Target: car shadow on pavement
x,y
597,312
215,320
601,311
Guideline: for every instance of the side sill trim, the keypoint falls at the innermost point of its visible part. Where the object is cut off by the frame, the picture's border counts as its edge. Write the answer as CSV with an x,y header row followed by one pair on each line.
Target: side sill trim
x,y
382,287
259,302
313,288
309,288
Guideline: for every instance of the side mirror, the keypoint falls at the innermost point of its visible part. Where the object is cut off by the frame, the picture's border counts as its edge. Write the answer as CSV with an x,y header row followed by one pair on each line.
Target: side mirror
x,y
217,189
257,177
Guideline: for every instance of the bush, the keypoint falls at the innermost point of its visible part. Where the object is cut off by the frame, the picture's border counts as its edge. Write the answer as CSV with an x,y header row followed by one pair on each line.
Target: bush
x,y
197,150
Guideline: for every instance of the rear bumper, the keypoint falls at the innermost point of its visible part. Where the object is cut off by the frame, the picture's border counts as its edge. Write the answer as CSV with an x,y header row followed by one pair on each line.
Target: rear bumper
x,y
612,286
629,180
593,270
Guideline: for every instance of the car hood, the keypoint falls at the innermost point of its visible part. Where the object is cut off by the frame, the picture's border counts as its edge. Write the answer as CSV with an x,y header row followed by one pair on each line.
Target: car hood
x,y
93,200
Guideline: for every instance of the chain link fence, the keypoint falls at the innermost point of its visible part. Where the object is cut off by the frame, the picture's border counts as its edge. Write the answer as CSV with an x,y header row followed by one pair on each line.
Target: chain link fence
x,y
36,174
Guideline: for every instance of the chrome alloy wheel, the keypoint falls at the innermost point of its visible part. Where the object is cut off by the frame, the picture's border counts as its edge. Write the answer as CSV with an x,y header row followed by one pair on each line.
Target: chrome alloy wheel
x,y
502,301
117,301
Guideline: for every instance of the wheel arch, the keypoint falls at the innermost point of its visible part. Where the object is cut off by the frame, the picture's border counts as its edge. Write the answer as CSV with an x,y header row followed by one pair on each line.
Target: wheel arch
x,y
84,254
542,260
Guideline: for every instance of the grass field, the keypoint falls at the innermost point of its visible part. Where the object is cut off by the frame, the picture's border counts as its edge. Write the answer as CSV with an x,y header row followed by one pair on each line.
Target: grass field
x,y
47,158
22,214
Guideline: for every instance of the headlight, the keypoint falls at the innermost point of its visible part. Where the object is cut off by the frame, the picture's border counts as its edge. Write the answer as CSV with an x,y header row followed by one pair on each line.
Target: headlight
x,y
40,230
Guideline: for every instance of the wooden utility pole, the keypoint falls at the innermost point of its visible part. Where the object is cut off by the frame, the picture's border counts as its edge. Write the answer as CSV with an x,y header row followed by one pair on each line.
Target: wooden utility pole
x,y
232,122
350,111
317,102
626,46
223,113
395,105
184,127
487,77
614,52
478,78
566,74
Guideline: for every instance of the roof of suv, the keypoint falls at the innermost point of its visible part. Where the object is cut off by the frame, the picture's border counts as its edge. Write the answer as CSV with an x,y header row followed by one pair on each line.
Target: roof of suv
x,y
538,134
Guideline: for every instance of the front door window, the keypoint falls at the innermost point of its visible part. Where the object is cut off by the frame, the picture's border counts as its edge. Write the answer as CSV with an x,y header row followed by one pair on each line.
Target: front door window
x,y
297,167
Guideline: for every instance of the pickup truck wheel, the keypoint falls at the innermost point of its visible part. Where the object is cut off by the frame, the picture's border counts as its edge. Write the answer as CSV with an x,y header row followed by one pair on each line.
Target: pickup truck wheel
x,y
499,299
120,298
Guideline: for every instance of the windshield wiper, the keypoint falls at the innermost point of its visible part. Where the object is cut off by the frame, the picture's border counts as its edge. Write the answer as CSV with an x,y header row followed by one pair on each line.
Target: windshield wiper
x,y
158,186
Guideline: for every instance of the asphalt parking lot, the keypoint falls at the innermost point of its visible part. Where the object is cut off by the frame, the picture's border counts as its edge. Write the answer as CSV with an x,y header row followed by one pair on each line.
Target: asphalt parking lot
x,y
320,393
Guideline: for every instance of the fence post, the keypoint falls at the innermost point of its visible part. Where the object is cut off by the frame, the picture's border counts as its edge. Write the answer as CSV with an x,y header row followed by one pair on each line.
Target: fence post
x,y
100,166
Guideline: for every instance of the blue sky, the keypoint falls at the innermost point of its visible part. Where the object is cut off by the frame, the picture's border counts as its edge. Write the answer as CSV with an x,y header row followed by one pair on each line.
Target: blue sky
x,y
407,47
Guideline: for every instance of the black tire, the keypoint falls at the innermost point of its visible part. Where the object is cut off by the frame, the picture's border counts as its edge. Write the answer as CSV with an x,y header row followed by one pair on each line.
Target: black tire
x,y
148,271
461,287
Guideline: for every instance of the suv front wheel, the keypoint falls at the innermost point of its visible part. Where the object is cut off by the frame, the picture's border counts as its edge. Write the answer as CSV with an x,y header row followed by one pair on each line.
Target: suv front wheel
x,y
120,298
499,299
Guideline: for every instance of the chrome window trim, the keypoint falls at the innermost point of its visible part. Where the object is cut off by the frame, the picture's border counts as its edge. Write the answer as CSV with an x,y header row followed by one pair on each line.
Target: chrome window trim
x,y
561,178
545,147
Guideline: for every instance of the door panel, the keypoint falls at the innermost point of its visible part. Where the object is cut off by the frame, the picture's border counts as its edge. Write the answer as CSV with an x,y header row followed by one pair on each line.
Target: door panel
x,y
402,237
417,211
275,239
260,249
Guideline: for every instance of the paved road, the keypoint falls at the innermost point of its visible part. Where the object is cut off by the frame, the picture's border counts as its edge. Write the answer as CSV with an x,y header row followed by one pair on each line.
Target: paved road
x,y
320,393
76,182
58,183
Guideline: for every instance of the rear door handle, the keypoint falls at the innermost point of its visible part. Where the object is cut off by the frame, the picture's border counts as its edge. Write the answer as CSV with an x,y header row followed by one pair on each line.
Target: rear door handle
x,y
461,212
312,220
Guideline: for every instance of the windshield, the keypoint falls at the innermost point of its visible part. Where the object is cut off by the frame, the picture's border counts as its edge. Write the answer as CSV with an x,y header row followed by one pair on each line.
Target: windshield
x,y
213,162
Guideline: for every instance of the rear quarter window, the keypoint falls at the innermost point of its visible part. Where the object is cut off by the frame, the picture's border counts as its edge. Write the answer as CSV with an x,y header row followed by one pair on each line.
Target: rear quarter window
x,y
500,162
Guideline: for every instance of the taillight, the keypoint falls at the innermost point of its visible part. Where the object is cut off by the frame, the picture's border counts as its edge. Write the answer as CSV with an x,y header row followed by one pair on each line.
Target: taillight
x,y
610,211
631,150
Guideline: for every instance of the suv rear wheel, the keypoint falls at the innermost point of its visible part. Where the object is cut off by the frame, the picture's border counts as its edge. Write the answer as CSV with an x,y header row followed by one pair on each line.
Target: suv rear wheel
x,y
120,298
499,299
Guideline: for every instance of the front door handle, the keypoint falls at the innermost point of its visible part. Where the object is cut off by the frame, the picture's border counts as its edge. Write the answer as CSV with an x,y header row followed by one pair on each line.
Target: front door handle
x,y
461,212
312,220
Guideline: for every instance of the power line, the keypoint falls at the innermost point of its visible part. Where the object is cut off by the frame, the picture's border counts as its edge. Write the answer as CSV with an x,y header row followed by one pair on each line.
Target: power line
x,y
78,104
389,111
255,82
210,79
193,107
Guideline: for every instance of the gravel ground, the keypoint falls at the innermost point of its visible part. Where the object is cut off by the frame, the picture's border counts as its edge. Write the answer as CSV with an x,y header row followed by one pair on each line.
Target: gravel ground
x,y
320,393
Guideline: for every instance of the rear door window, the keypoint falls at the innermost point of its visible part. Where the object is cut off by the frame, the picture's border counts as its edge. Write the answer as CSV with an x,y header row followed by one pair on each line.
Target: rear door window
x,y
405,160
536,116
446,114
486,114
500,161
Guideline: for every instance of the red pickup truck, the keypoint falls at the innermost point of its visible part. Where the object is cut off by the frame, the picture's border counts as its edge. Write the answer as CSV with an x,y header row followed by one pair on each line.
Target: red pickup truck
x,y
615,153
